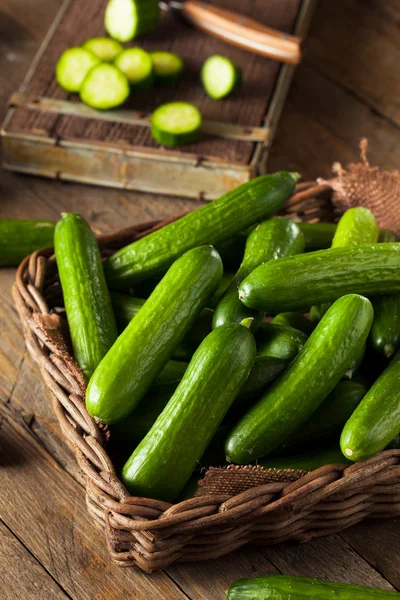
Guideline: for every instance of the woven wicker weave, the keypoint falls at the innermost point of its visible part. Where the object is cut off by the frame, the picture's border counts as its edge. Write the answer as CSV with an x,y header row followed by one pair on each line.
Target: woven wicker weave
x,y
152,534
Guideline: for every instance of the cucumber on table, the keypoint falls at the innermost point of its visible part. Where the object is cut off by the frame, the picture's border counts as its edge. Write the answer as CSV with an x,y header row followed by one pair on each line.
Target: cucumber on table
x,y
176,124
106,49
18,238
128,370
296,320
270,240
168,67
376,420
73,67
127,19
104,87
213,223
298,282
164,461
87,301
137,66
308,380
220,77
317,236
285,587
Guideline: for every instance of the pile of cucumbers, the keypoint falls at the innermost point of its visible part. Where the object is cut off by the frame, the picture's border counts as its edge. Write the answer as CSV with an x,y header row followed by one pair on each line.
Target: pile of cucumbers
x,y
191,366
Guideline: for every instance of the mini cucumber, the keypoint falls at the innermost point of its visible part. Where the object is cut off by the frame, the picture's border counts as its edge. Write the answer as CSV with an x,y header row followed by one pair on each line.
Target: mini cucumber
x,y
298,282
309,461
159,468
128,370
376,420
73,67
87,302
285,587
270,240
220,77
176,124
104,87
172,373
18,238
308,380
137,66
128,19
296,320
213,223
223,286
317,236
168,67
279,341
106,49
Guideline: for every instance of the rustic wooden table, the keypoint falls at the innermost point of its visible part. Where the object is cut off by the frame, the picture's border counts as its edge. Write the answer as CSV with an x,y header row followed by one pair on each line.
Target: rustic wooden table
x,y
347,87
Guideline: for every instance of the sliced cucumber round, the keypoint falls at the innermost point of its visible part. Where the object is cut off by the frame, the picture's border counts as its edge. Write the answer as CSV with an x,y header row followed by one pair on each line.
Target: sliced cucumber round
x,y
168,67
106,49
104,87
127,19
176,124
220,77
73,66
137,66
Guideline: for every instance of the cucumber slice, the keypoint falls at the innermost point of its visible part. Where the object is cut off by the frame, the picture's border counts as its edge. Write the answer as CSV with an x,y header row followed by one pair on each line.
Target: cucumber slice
x,y
73,66
220,77
168,67
104,48
137,66
176,124
104,87
127,19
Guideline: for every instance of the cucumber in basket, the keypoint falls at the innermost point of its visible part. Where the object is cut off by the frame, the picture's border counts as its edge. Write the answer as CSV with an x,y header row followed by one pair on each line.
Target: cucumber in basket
x,y
137,66
106,49
128,370
104,87
87,302
317,236
176,124
220,77
127,19
270,240
286,587
298,282
164,461
168,67
376,420
18,238
217,221
310,377
73,66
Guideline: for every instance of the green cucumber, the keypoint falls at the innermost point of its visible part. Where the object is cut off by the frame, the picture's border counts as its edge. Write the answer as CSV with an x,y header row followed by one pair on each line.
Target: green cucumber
x,y
172,373
385,330
318,311
168,67
106,49
296,320
309,461
176,124
298,282
73,66
104,87
286,587
279,341
87,301
220,77
18,238
212,223
164,461
128,19
137,66
270,240
223,286
308,380
317,236
128,370
376,420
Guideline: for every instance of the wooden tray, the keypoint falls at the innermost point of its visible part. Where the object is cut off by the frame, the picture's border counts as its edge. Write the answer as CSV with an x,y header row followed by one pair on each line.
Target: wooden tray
x,y
48,133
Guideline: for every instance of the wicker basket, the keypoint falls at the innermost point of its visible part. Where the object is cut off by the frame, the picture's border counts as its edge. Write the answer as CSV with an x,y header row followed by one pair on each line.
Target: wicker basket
x,y
152,534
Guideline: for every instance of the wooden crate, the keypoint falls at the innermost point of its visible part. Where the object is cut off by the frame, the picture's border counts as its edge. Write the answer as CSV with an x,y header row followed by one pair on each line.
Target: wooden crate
x,y
49,133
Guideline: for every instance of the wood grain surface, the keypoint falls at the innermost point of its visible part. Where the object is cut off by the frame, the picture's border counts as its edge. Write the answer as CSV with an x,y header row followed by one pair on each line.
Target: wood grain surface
x,y
346,88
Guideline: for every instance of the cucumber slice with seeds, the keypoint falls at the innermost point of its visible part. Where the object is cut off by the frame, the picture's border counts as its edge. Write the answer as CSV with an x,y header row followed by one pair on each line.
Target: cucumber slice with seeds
x,y
168,67
127,19
137,66
220,77
176,124
73,66
104,87
106,49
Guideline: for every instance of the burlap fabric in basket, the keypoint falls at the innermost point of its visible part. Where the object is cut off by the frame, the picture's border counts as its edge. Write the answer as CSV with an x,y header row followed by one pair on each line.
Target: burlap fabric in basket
x,y
234,506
